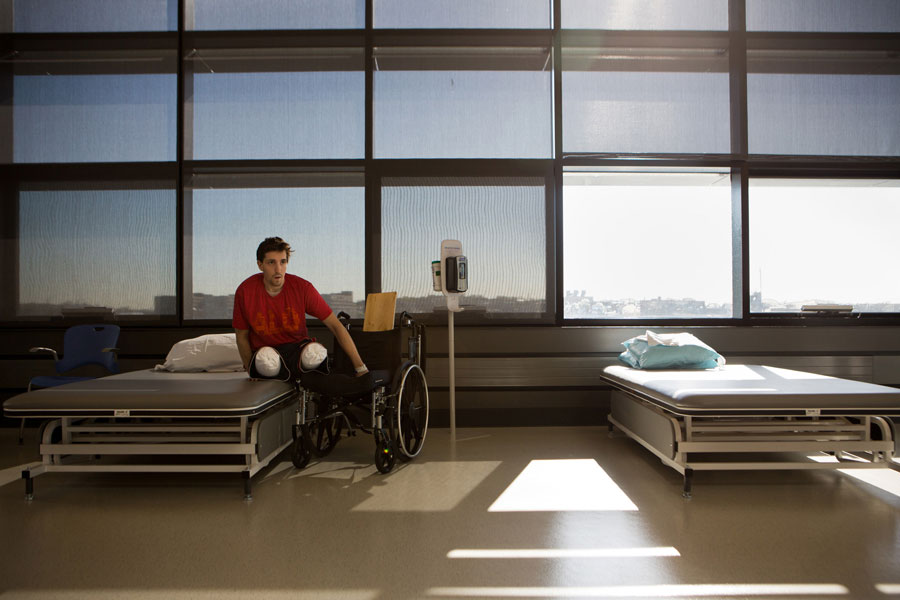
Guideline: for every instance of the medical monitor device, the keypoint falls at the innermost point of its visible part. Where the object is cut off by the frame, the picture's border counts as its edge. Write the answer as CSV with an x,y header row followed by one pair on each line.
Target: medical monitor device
x,y
457,274
453,270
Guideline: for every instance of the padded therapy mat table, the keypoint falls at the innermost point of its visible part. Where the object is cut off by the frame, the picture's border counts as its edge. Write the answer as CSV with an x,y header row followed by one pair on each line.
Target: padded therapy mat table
x,y
156,421
757,417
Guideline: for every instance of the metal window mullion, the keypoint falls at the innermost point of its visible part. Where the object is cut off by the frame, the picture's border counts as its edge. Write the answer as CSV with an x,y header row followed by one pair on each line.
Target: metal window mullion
x,y
9,250
556,201
737,85
7,89
737,76
372,219
182,275
185,284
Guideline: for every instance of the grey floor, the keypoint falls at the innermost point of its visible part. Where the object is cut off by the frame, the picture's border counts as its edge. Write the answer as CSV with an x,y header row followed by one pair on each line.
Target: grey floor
x,y
499,513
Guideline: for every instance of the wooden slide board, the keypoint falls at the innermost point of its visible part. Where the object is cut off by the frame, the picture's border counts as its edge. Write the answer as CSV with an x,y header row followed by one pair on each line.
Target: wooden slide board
x,y
380,311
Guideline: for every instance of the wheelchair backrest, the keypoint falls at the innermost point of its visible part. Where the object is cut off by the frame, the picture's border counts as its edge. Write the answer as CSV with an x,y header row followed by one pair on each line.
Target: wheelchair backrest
x,y
380,350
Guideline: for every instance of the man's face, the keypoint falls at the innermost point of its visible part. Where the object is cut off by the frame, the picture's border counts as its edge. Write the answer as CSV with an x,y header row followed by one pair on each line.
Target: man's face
x,y
273,267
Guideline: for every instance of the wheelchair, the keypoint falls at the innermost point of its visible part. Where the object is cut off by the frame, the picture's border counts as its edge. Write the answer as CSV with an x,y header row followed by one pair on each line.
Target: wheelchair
x,y
390,402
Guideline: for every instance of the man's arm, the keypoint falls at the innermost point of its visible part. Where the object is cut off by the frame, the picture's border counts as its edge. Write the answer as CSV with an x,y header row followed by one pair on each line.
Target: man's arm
x,y
346,342
243,344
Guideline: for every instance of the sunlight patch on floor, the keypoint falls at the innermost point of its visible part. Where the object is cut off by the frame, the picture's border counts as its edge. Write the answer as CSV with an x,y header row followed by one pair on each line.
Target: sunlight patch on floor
x,y
562,485
724,590
889,589
562,552
885,479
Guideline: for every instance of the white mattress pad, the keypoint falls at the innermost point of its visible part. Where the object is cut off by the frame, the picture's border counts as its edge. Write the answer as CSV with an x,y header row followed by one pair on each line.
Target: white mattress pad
x,y
754,388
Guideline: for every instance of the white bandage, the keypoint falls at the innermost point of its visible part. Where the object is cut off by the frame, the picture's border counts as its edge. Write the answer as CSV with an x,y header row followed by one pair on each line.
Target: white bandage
x,y
312,356
268,361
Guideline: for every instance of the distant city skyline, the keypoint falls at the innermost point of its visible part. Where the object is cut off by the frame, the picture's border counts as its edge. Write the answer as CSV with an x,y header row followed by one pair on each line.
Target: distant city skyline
x,y
577,305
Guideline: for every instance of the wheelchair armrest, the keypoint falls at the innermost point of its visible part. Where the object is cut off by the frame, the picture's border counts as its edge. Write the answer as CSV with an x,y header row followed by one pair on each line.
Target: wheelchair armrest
x,y
42,349
344,318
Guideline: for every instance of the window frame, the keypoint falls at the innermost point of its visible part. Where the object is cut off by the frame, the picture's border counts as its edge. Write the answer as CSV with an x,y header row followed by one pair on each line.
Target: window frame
x,y
252,52
642,51
811,170
75,176
819,54
470,169
465,50
738,250
150,53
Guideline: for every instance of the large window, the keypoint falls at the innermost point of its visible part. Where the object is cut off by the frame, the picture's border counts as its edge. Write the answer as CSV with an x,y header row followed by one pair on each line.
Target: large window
x,y
824,241
99,251
460,14
501,224
644,245
823,102
823,15
229,15
42,16
463,102
278,103
693,15
321,215
93,106
621,98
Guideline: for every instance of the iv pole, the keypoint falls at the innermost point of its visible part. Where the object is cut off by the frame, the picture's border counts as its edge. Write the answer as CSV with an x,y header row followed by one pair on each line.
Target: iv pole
x,y
452,366
451,248
452,308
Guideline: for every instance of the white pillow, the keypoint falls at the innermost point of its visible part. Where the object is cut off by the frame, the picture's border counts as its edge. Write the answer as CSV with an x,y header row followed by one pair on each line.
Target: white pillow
x,y
212,352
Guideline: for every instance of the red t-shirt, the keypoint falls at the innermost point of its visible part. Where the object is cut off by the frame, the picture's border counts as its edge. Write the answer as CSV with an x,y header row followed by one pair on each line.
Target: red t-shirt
x,y
275,320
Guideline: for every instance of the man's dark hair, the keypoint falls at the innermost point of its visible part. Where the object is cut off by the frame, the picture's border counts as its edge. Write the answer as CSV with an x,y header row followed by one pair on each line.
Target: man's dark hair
x,y
272,244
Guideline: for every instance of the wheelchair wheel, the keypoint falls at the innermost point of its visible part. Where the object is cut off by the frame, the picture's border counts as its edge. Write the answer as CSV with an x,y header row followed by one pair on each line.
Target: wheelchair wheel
x,y
412,410
300,453
384,453
322,435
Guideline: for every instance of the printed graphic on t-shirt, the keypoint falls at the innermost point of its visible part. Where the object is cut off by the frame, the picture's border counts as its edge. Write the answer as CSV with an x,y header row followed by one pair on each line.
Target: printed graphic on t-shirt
x,y
269,324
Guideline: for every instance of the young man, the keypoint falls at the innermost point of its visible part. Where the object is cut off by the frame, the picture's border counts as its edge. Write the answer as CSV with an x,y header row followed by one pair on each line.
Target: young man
x,y
270,311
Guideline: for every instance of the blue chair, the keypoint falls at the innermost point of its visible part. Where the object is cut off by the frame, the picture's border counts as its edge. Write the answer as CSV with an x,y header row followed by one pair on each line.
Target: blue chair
x,y
82,345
